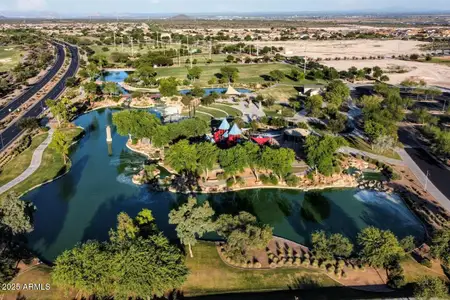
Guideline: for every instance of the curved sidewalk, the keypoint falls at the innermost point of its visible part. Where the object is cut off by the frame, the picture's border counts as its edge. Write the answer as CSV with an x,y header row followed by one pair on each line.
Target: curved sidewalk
x,y
34,165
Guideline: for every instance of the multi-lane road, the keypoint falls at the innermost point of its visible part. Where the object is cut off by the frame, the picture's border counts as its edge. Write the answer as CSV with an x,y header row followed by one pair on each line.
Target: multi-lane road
x,y
13,131
16,103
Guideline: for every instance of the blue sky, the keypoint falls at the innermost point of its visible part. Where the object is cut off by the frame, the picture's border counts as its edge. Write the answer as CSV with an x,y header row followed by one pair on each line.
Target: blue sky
x,y
193,6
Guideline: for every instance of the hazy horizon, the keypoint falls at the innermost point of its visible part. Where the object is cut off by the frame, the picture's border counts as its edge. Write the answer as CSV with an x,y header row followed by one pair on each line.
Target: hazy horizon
x,y
117,7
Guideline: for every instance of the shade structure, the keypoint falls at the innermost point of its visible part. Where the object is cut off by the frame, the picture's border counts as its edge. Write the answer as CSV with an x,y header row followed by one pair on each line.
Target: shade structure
x,y
235,130
232,91
260,140
224,125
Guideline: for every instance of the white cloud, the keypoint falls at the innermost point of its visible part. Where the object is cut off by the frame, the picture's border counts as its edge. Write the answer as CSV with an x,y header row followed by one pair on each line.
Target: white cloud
x,y
31,4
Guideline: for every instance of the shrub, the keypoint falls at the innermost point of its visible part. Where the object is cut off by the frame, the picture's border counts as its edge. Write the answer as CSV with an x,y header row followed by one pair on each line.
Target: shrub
x,y
264,179
273,179
273,265
276,259
258,265
426,262
341,263
396,278
306,255
315,263
280,263
292,180
230,182
305,262
330,269
297,262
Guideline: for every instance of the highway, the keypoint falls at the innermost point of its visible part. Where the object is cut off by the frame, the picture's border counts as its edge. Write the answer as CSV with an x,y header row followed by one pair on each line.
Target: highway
x,y
13,131
24,97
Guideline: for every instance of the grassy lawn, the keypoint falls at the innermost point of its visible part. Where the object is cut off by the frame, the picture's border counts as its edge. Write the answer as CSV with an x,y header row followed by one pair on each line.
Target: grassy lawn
x,y
362,145
9,57
207,118
21,162
247,73
52,166
230,110
413,270
273,111
209,275
438,60
215,113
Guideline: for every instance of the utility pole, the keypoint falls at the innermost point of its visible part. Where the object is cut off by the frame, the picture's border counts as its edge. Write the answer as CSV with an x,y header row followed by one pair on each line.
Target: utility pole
x,y
426,181
122,44
210,49
132,50
115,46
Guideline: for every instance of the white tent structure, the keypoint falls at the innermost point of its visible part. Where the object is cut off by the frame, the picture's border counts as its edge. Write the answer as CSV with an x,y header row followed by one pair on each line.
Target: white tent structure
x,y
232,91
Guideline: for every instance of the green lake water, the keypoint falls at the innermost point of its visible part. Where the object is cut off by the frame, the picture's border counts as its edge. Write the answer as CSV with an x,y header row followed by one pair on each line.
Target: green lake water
x,y
84,204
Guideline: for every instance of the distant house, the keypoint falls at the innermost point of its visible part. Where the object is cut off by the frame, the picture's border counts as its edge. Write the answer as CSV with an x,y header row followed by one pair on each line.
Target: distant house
x,y
311,89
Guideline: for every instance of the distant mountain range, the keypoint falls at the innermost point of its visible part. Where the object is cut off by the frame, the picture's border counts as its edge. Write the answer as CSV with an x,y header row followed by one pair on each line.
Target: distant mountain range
x,y
392,11
2,17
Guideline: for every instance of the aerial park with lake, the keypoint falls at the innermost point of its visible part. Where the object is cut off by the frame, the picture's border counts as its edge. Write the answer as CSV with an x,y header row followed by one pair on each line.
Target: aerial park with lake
x,y
245,161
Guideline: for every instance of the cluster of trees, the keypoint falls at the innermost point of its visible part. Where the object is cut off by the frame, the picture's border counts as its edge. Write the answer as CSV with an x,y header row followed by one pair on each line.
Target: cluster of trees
x,y
203,157
381,113
440,138
15,222
336,94
242,232
137,261
39,56
378,248
320,153
141,124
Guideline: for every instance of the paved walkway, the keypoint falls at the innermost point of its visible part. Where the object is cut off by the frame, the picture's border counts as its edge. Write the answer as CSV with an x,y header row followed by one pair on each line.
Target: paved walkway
x,y
431,188
34,165
350,150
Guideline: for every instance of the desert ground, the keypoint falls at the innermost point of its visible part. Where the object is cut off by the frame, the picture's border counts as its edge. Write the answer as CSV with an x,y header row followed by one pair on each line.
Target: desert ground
x,y
433,74
347,48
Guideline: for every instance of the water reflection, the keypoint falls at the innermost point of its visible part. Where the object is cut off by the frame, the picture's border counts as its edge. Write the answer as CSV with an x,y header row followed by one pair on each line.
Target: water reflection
x,y
315,207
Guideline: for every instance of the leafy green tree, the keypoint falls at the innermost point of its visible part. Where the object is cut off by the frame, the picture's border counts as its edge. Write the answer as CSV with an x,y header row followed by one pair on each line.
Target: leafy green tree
x,y
86,268
92,71
408,243
314,104
207,156
15,214
337,92
146,74
59,109
253,153
233,161
146,267
276,75
137,123
320,152
197,91
194,73
379,247
338,124
278,160
140,264
192,221
440,245
111,89
333,245
182,157
168,86
242,233
297,75
429,287
61,144
231,74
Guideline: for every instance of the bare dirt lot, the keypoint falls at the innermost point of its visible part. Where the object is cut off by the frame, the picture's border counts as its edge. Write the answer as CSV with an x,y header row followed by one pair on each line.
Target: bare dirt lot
x,y
433,74
347,48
